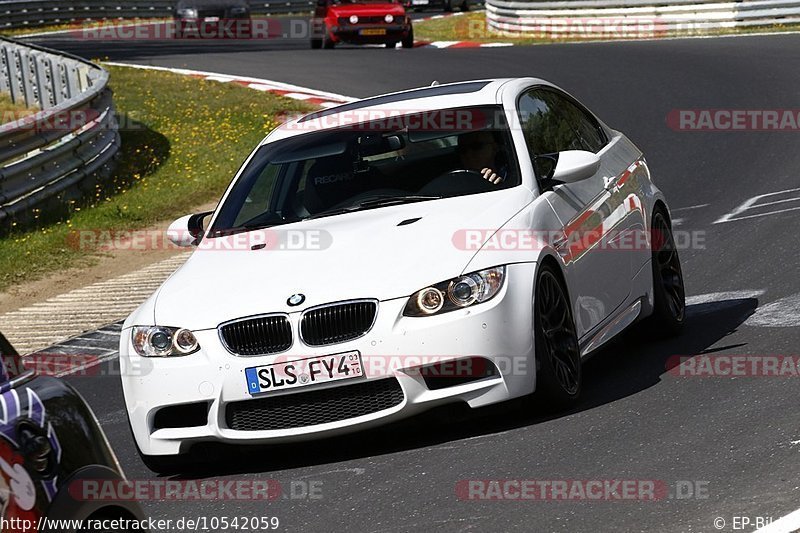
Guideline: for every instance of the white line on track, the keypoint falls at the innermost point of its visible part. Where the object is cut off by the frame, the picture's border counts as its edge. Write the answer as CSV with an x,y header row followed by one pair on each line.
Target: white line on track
x,y
699,206
297,96
779,211
784,313
442,44
722,296
788,524
714,302
751,203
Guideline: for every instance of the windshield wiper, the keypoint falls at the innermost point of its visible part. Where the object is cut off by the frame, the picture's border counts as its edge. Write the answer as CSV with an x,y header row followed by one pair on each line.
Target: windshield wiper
x,y
395,200
332,212
378,201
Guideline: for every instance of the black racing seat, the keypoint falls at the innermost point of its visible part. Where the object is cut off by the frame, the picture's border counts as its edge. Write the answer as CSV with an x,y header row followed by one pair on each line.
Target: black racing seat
x,y
326,185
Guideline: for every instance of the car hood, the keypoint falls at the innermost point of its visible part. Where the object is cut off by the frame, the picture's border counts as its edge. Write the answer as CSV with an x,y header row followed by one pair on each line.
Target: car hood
x,y
365,254
366,10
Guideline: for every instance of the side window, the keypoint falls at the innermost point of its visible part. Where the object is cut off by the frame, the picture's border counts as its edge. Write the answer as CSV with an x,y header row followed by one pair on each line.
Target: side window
x,y
257,201
546,131
587,129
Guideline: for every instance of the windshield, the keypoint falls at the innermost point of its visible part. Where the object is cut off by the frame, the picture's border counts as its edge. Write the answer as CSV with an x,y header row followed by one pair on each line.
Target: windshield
x,y
369,165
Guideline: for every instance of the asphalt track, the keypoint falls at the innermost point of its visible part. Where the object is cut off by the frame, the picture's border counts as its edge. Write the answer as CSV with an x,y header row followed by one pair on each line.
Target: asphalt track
x,y
737,439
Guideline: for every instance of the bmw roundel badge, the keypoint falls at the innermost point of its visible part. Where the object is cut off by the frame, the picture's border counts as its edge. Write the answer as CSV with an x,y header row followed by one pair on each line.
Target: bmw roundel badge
x,y
296,299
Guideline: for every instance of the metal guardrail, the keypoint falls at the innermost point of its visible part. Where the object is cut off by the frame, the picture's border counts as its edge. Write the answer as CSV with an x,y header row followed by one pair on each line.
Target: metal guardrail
x,y
60,152
31,13
658,17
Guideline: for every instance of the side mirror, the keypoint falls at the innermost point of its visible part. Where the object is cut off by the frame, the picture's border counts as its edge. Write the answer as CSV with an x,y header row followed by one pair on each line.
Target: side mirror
x,y
187,230
575,165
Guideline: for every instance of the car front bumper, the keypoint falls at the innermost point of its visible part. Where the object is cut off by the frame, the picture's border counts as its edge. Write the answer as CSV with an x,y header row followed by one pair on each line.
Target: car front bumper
x,y
356,34
498,331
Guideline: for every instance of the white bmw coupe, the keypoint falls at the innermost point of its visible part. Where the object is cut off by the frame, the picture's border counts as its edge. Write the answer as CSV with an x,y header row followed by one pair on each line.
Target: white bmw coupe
x,y
470,242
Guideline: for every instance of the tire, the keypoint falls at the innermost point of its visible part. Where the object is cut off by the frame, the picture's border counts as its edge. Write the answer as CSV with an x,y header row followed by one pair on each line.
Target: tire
x,y
316,44
669,294
448,6
408,40
465,6
558,360
391,45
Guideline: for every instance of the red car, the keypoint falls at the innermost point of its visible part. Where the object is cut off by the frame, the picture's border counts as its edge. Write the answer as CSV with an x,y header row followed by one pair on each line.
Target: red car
x,y
361,22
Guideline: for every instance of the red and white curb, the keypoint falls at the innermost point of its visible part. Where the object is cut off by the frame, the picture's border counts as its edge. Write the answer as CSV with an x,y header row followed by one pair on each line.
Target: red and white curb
x,y
458,44
312,96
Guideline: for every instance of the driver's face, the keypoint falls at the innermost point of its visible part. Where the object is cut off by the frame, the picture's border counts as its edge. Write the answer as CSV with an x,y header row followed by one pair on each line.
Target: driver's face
x,y
477,151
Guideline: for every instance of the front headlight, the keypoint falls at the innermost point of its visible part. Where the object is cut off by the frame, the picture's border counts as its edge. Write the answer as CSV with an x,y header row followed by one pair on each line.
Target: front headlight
x,y
188,13
466,290
160,341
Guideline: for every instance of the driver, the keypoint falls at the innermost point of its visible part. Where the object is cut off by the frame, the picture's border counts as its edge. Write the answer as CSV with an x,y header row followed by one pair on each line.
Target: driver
x,y
478,152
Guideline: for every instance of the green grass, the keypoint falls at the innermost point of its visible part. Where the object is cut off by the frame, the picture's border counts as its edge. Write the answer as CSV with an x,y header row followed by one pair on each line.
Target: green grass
x,y
467,27
183,139
9,111
472,27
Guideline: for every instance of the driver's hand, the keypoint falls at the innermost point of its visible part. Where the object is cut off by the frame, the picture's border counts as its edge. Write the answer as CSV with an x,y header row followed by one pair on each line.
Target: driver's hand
x,y
490,175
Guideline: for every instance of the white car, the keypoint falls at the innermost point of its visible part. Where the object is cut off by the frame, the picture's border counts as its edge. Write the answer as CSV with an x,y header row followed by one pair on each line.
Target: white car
x,y
469,242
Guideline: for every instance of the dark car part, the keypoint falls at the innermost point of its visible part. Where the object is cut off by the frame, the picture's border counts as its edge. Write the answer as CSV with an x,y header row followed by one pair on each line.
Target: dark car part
x,y
50,443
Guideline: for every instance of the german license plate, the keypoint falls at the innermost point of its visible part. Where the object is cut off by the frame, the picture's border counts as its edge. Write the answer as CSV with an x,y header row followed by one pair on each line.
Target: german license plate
x,y
372,31
211,19
419,2
301,372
